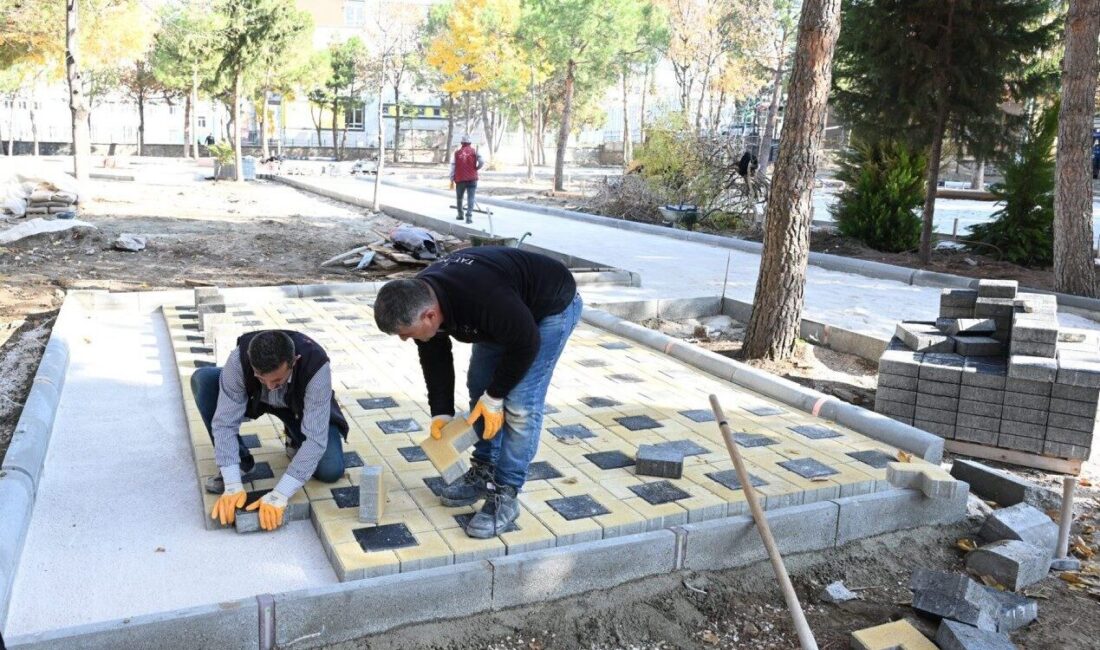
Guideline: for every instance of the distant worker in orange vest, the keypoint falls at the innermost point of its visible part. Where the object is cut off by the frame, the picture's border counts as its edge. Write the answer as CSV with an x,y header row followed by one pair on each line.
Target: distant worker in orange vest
x,y
464,175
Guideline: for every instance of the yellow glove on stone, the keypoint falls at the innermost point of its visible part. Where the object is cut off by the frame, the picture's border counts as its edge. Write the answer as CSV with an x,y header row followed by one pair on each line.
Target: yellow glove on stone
x,y
225,509
271,506
491,411
438,423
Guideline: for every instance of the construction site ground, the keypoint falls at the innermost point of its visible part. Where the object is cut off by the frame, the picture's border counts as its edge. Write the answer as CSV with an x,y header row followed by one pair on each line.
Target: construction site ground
x,y
263,233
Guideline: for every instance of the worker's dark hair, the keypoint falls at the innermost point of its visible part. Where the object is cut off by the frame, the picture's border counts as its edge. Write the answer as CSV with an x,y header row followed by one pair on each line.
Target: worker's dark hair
x,y
269,350
400,303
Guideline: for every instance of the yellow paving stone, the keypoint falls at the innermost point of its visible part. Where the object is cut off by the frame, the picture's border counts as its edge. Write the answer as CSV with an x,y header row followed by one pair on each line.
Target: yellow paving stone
x,y
414,478
658,516
467,549
430,551
352,563
315,489
569,532
531,536
442,517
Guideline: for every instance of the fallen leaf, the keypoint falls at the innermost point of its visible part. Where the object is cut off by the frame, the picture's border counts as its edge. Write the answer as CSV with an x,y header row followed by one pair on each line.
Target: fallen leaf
x,y
569,480
990,582
1072,577
710,637
965,544
160,549
905,457
1084,482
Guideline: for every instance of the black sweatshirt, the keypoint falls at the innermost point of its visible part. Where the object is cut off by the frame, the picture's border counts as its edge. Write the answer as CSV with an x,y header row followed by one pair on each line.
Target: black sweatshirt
x,y
495,295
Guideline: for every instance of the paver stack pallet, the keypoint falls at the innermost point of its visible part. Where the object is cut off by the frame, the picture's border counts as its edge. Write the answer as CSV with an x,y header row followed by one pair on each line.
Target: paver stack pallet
x,y
995,370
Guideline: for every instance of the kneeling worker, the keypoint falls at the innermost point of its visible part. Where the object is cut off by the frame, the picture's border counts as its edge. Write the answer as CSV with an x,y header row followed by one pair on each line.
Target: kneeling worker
x,y
518,309
286,374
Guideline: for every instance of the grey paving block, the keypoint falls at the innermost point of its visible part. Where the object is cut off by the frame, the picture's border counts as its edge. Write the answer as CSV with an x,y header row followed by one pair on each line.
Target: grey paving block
x,y
894,409
1028,348
957,597
976,394
1015,611
1027,400
956,312
336,612
983,409
903,382
923,337
1023,522
734,541
972,326
995,308
939,402
1021,414
1076,393
1041,368
1029,444
549,574
872,514
1065,564
1079,370
958,297
1072,422
16,506
1010,562
941,429
1062,450
896,395
1002,487
1036,303
229,624
946,389
1069,436
953,635
978,346
983,373
1028,386
942,367
997,288
1072,407
942,416
979,436
978,422
1026,429
900,362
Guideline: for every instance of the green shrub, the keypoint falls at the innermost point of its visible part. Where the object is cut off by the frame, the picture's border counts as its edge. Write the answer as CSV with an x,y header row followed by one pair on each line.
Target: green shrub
x,y
222,153
1023,230
674,164
884,184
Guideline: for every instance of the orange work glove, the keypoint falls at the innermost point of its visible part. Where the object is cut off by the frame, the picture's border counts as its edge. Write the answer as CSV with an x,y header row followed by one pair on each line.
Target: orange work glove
x,y
271,506
225,509
438,422
491,411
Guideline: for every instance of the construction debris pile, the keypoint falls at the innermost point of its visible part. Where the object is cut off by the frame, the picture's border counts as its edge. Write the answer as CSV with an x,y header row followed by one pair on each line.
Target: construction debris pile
x,y
995,370
404,248
25,195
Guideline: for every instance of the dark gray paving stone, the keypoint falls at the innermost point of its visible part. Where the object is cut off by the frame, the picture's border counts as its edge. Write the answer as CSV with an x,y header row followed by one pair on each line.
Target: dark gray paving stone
x,y
1023,522
730,480
191,327
299,321
194,339
655,460
372,403
592,363
347,317
550,409
626,378
577,507
615,345
346,497
609,459
251,441
435,484
808,467
764,410
384,538
698,415
403,425
659,492
684,447
325,299
639,422
599,402
1010,562
201,350
750,440
204,364
188,316
815,431
542,470
572,431
873,457
953,635
260,472
464,520
352,459
413,454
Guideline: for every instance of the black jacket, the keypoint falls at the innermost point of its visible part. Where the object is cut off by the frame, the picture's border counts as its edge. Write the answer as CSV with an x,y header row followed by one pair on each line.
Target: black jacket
x,y
496,295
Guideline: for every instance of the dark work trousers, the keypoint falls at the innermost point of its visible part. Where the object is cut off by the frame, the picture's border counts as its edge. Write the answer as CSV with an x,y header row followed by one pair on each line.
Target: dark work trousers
x,y
469,188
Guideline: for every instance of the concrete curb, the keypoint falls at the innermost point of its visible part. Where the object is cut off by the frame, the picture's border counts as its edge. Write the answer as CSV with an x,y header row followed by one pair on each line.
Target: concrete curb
x,y
866,268
894,433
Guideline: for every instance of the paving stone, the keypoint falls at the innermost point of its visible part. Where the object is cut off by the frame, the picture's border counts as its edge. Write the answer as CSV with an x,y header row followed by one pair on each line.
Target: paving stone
x,y
815,431
978,346
942,367
939,416
750,440
1027,386
1072,407
954,596
923,337
1036,432
684,447
639,422
446,453
374,403
763,410
808,467
1038,368
384,538
1065,564
932,481
873,457
352,459
729,479
953,635
1027,400
1028,348
1076,393
1072,422
577,507
655,460
403,425
346,497
1062,450
894,409
896,395
978,436
983,373
1011,563
958,297
886,380
615,345
549,409
899,635
943,388
1035,328
941,429
866,515
1015,611
626,378
978,422
259,472
1022,522
956,312
1021,414
986,395
968,326
997,288
609,459
698,415
413,454
1079,370
541,471
599,402
372,494
938,402
995,308
897,361
659,492
575,431
1002,487
592,363
733,542
983,409
251,441
1068,436
1036,303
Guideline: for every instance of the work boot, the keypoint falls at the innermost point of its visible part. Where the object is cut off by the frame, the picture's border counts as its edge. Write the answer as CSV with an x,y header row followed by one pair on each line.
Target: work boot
x,y
459,217
468,488
469,219
216,485
500,511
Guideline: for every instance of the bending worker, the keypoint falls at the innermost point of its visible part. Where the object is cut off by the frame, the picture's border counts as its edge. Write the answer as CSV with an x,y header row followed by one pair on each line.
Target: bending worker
x,y
286,374
518,309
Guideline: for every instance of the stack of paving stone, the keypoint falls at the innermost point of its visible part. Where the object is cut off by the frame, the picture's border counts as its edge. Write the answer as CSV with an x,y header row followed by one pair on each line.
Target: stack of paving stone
x,y
994,369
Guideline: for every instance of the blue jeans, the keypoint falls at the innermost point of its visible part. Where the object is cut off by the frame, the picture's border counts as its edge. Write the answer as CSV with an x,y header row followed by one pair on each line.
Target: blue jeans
x,y
205,386
469,188
512,449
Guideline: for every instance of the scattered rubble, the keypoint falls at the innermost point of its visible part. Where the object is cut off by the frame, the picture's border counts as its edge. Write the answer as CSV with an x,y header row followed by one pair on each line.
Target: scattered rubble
x,y
953,635
129,242
1024,523
836,592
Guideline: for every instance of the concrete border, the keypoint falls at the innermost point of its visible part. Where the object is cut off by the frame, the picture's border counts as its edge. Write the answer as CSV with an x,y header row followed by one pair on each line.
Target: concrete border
x,y
881,428
916,277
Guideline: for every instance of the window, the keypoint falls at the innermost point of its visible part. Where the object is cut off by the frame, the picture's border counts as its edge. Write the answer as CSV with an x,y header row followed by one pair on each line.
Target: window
x,y
355,13
353,117
202,122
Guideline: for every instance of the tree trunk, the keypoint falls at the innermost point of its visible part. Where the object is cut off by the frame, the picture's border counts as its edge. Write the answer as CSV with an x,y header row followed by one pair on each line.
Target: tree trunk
x,y
628,145
11,128
141,124
641,115
335,142
265,151
238,169
396,122
563,132
1074,268
466,118
777,303
193,98
450,127
977,179
78,107
764,153
34,129
377,203
929,211
188,137
702,100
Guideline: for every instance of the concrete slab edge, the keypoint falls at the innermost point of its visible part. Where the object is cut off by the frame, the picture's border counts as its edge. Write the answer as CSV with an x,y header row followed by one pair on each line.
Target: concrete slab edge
x,y
823,260
894,433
